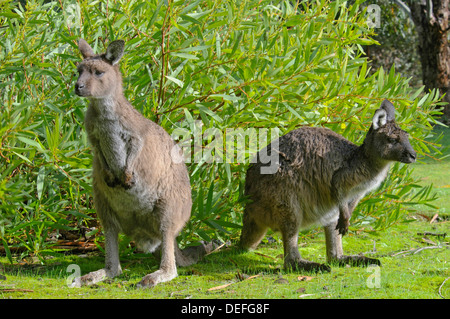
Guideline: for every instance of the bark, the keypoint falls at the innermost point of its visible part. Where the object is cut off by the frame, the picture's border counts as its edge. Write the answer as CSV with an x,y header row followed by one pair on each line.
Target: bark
x,y
431,20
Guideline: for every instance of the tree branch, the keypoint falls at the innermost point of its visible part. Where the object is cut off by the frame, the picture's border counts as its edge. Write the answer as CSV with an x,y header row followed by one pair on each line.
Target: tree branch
x,y
404,7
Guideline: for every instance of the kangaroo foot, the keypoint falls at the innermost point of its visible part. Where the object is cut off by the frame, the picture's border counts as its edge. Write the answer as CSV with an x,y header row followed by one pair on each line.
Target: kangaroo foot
x,y
151,280
306,265
95,277
356,260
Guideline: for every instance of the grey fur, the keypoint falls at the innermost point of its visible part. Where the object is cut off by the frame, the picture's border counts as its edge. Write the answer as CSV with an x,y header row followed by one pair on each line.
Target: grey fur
x,y
320,179
138,189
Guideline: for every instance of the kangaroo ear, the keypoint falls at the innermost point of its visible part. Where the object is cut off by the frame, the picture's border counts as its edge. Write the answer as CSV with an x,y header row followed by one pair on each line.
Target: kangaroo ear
x,y
379,119
85,49
115,51
389,108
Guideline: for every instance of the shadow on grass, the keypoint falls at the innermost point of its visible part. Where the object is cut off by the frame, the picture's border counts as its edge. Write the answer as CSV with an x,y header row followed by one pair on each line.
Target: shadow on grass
x,y
230,260
266,260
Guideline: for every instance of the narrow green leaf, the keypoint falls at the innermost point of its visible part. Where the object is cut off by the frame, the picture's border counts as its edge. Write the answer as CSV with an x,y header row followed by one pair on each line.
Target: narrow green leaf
x,y
31,143
184,55
40,181
176,81
236,43
155,15
7,250
10,15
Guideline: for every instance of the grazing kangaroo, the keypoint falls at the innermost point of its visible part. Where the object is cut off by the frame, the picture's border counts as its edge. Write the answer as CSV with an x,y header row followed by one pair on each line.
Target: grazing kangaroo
x,y
138,189
320,179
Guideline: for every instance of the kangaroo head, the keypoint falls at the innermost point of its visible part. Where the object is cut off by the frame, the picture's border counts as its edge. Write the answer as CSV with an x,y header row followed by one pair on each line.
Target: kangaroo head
x,y
387,141
99,74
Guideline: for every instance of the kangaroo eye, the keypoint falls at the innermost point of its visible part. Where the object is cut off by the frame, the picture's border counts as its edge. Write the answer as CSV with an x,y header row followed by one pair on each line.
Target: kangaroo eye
x,y
99,73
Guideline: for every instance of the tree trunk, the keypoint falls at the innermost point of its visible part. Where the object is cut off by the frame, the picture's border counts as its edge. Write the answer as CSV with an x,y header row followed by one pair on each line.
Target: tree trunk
x,y
431,20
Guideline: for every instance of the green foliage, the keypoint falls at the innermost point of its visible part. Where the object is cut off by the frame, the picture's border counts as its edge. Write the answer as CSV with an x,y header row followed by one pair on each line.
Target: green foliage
x,y
229,64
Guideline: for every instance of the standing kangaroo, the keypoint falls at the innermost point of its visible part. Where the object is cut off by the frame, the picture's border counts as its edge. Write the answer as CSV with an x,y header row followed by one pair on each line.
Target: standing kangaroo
x,y
138,189
320,179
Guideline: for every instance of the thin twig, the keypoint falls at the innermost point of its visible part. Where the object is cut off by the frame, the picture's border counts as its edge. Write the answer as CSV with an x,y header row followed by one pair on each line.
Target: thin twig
x,y
216,249
423,248
416,250
434,218
231,283
441,287
164,51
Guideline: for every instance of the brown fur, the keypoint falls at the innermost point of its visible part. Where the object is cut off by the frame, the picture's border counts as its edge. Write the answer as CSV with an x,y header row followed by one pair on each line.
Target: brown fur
x,y
138,189
320,179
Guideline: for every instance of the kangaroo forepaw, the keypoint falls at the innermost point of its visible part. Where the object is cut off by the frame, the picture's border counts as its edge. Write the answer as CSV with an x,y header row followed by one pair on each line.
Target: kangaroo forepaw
x,y
342,226
128,179
110,179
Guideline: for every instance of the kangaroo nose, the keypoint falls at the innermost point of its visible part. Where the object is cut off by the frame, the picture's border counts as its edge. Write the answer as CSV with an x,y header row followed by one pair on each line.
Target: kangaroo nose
x,y
79,89
410,157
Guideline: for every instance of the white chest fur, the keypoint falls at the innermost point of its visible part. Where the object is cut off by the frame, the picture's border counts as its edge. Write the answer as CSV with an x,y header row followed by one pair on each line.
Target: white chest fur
x,y
111,136
372,183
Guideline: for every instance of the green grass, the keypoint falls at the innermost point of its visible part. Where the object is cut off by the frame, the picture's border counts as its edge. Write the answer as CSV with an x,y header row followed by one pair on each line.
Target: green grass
x,y
259,274
402,275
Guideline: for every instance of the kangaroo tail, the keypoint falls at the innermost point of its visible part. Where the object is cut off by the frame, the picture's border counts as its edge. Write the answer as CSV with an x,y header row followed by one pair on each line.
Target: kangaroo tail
x,y
191,255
